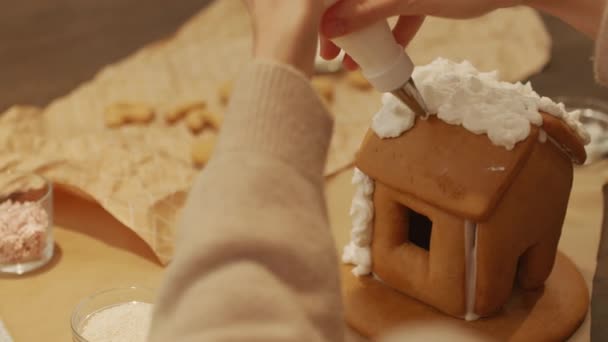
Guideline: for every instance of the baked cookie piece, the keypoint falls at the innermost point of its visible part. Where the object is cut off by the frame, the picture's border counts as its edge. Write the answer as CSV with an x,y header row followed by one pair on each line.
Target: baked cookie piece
x,y
181,111
195,120
357,80
121,113
324,86
202,149
225,91
213,120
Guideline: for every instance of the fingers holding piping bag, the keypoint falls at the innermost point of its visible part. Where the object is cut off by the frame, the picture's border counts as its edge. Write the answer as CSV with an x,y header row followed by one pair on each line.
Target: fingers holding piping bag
x,y
358,17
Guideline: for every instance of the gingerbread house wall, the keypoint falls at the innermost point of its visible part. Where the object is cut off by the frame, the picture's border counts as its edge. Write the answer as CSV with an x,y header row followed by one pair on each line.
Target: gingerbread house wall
x,y
515,234
525,228
436,276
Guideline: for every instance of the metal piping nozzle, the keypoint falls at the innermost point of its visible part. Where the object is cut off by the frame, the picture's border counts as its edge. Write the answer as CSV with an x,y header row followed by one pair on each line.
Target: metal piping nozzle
x,y
410,96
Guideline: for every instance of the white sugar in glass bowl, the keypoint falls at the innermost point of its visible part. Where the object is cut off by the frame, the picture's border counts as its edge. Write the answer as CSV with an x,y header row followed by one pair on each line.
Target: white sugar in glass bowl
x,y
26,221
121,314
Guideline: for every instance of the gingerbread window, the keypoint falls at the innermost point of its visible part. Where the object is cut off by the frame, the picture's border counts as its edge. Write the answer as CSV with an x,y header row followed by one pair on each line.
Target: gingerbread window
x,y
419,229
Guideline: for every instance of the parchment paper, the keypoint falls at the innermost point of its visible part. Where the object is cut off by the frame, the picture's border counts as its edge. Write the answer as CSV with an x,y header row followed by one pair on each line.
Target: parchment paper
x,y
141,174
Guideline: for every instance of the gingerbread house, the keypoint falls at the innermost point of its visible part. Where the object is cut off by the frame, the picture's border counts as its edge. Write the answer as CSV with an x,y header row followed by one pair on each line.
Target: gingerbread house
x,y
458,220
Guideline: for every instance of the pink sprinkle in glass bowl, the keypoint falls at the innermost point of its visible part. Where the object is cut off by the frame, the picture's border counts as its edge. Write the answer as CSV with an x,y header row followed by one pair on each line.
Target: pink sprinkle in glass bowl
x,y
26,221
103,300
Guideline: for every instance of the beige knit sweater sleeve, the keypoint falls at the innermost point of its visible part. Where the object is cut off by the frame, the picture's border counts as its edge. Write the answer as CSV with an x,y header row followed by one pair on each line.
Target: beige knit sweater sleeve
x,y
255,259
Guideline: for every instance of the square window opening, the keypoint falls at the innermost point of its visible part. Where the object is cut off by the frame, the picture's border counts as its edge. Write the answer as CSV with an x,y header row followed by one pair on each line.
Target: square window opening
x,y
420,228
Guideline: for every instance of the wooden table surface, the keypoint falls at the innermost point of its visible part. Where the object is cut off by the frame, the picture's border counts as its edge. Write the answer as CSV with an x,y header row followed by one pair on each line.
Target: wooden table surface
x,y
49,47
96,252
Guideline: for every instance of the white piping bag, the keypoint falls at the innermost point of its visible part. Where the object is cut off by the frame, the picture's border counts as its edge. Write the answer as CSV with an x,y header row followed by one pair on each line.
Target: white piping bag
x,y
383,62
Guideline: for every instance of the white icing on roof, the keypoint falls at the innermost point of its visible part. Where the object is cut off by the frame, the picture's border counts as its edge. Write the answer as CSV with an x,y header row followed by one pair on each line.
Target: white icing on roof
x,y
459,94
393,118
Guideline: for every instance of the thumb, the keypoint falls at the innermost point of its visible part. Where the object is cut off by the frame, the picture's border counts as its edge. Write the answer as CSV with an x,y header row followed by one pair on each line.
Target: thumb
x,y
347,16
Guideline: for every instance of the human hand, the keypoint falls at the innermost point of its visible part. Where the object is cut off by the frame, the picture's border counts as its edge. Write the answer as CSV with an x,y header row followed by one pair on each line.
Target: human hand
x,y
347,16
286,31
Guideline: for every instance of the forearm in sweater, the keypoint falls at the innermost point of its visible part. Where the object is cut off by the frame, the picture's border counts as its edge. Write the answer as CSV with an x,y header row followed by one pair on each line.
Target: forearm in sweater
x,y
255,260
584,15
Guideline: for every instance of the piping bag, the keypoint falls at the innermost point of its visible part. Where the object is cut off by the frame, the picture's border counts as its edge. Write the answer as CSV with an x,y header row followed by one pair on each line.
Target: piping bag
x,y
383,62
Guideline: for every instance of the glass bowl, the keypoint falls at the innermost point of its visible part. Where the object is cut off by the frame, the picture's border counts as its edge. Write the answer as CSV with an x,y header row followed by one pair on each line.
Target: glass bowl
x,y
26,221
594,117
111,299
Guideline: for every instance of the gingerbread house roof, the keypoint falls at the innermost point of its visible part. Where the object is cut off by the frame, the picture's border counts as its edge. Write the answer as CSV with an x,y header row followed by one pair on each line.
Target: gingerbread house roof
x,y
458,171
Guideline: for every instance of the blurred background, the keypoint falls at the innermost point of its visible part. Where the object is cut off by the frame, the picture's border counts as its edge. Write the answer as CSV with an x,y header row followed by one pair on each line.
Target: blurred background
x,y
49,47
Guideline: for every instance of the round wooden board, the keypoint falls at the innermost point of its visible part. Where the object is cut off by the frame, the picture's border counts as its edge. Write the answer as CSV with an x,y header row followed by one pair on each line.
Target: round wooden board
x,y
550,314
